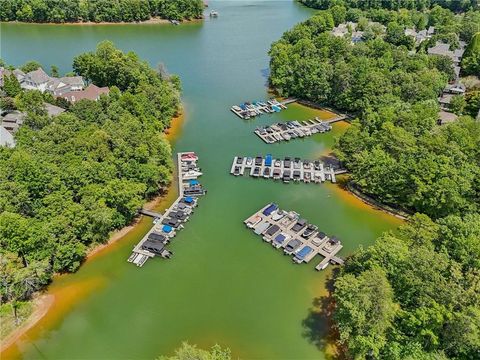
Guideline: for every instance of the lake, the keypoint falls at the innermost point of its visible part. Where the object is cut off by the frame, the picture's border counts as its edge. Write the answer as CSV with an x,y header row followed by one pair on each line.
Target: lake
x,y
223,284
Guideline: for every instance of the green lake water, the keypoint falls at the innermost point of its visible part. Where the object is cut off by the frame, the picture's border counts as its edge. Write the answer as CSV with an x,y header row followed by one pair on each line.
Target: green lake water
x,y
223,285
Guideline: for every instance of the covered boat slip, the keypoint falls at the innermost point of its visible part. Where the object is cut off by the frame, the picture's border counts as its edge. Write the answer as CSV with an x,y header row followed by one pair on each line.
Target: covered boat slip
x,y
167,225
249,110
284,131
287,169
286,230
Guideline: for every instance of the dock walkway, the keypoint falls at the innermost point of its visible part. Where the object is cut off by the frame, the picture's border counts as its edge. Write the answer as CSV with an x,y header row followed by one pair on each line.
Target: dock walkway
x,y
286,170
149,213
295,236
167,225
278,132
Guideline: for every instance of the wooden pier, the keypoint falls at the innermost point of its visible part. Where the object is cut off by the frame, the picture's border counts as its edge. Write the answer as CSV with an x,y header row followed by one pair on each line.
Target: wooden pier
x,y
149,213
167,225
286,170
252,109
295,129
295,236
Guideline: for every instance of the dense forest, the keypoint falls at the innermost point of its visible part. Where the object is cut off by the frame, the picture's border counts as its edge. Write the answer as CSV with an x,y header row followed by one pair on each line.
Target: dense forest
x,y
415,294
60,11
454,5
73,178
393,150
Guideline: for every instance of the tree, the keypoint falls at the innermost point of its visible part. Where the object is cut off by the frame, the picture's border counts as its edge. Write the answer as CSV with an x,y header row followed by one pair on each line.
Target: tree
x,y
365,309
188,352
92,10
54,71
471,58
457,104
11,86
30,66
74,178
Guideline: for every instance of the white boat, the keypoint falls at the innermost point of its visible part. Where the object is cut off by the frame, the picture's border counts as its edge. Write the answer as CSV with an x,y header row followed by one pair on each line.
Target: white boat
x,y
213,13
192,174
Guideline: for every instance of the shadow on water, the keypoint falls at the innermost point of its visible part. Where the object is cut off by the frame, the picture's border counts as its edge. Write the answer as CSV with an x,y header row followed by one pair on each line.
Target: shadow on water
x,y
318,326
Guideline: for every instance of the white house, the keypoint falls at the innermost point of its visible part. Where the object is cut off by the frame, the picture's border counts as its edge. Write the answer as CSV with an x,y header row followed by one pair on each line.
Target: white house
x,y
35,80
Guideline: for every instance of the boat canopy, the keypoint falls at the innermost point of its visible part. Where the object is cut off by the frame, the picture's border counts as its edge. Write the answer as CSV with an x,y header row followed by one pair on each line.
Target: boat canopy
x,y
194,182
270,209
188,200
304,252
167,228
268,160
280,238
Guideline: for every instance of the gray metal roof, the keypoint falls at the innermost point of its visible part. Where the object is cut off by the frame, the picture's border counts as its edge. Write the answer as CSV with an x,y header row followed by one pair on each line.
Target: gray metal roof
x,y
6,139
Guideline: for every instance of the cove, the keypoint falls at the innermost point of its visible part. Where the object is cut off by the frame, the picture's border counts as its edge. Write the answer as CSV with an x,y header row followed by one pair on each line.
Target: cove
x,y
223,285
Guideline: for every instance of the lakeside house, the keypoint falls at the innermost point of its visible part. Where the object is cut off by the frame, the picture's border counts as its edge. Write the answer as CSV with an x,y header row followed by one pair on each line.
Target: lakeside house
x,y
92,92
348,29
71,88
6,138
421,35
351,29
455,88
60,86
12,120
443,49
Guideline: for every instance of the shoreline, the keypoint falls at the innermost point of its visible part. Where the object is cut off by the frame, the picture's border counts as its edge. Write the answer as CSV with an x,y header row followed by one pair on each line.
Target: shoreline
x,y
41,305
42,300
151,21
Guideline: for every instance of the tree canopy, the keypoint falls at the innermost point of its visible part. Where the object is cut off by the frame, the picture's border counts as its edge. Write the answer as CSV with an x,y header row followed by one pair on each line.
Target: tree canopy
x,y
454,5
55,11
394,150
73,178
192,352
415,293
471,59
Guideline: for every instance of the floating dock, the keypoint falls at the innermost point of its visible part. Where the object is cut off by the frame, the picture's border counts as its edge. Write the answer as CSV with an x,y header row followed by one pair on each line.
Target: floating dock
x,y
252,109
173,220
295,129
286,170
285,230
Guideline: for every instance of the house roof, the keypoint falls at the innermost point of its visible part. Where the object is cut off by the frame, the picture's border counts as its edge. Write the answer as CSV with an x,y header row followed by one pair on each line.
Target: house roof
x,y
92,92
446,117
14,117
53,110
153,245
19,74
6,139
440,49
73,80
445,98
38,76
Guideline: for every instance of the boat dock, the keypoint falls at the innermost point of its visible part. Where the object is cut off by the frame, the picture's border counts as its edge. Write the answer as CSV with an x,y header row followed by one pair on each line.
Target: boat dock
x,y
295,236
295,129
286,170
173,220
252,109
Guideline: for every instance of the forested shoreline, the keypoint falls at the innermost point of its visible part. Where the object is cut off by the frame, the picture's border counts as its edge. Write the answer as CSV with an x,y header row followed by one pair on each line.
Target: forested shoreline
x,y
73,11
454,5
73,178
414,294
